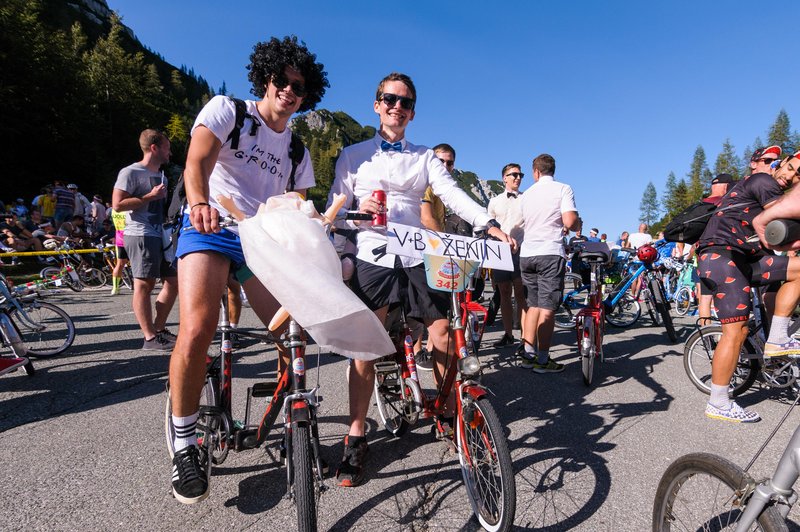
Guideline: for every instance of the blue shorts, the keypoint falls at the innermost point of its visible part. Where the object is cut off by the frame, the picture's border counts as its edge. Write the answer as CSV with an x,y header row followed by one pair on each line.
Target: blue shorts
x,y
225,242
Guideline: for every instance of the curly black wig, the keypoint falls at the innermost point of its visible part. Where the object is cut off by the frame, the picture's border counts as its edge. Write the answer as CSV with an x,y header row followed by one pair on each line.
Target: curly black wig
x,y
271,58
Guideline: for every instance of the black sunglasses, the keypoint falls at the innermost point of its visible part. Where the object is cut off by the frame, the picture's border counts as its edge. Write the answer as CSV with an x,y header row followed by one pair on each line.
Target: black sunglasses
x,y
766,160
515,175
281,82
391,99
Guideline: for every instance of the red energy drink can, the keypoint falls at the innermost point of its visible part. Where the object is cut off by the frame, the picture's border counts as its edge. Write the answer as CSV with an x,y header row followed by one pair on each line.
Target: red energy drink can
x,y
379,218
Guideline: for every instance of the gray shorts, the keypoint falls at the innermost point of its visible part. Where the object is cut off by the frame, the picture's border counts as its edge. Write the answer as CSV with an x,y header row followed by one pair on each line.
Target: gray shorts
x,y
147,257
543,276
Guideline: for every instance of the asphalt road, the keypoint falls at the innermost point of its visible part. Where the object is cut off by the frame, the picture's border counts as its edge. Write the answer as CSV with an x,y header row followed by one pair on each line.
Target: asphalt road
x,y
83,441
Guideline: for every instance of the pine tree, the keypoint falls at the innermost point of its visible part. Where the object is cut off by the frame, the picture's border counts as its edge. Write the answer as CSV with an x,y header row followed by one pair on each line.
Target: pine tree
x,y
780,133
698,175
727,161
648,207
668,199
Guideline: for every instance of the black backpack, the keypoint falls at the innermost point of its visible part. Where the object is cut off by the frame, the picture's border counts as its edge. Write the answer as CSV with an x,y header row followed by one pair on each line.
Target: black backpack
x,y
297,150
688,225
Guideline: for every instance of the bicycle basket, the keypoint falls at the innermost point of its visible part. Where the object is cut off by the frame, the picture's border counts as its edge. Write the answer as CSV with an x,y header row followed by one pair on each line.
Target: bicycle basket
x,y
448,274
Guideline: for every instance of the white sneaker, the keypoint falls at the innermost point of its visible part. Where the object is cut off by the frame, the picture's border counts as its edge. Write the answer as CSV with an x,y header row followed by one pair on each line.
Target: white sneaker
x,y
734,414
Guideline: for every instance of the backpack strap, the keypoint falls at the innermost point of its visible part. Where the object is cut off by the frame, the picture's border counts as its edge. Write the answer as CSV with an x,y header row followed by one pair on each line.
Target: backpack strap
x,y
241,115
296,153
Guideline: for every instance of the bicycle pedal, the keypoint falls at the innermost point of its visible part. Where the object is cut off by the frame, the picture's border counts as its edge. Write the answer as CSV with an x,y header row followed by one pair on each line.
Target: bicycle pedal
x,y
264,389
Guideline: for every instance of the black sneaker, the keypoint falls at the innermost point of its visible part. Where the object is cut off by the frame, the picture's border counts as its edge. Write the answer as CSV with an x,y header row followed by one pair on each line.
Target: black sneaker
x,y
189,478
423,360
506,340
157,343
351,470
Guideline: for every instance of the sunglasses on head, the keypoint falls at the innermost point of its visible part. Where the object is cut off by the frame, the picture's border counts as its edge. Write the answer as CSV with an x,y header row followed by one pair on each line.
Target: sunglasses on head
x,y
515,175
281,82
391,99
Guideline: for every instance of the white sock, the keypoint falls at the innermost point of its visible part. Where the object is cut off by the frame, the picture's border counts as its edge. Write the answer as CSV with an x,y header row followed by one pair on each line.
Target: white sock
x,y
185,431
234,325
778,330
719,397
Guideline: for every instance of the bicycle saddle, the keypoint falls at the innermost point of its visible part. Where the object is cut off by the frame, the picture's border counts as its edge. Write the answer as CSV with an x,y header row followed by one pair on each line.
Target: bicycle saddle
x,y
594,256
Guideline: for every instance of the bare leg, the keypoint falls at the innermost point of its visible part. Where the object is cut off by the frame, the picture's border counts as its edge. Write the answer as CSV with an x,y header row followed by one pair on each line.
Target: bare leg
x,y
202,277
361,382
165,301
141,306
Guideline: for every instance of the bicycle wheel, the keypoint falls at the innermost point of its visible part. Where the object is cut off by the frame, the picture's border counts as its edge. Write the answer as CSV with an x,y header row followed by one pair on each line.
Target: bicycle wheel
x,y
213,426
702,491
50,332
127,277
662,308
398,413
586,338
625,312
304,481
671,283
92,277
699,352
573,298
486,465
683,300
649,305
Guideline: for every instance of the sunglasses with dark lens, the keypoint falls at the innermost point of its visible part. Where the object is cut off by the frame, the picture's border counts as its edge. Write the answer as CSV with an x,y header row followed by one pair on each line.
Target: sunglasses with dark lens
x,y
281,82
391,99
448,163
515,175
766,160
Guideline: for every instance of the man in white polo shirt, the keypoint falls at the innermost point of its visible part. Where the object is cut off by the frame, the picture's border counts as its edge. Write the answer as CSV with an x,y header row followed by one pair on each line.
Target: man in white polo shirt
x,y
547,208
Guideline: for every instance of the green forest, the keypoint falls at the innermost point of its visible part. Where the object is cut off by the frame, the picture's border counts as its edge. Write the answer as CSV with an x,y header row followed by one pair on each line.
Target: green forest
x,y
77,89
657,211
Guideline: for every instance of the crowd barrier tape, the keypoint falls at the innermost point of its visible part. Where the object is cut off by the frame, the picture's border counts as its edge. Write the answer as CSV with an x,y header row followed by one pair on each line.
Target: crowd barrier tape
x,y
46,253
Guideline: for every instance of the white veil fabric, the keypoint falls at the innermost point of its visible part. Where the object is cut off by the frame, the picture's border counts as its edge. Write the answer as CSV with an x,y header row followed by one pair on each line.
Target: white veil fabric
x,y
287,248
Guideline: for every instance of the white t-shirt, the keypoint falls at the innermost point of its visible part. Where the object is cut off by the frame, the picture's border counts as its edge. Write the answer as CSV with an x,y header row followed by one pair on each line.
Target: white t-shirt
x,y
542,207
639,239
403,175
260,168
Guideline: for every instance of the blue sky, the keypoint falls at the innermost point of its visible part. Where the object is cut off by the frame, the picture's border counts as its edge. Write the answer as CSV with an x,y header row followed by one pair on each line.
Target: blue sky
x,y
620,93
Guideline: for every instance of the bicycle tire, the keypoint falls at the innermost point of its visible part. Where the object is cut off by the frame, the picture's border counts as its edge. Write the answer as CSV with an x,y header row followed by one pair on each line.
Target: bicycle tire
x,y
483,452
219,425
698,353
304,480
396,413
127,277
683,300
671,283
662,308
586,348
573,298
625,313
53,339
650,305
28,369
92,277
705,486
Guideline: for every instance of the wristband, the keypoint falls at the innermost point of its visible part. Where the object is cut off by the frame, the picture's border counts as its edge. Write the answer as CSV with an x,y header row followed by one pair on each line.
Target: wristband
x,y
198,204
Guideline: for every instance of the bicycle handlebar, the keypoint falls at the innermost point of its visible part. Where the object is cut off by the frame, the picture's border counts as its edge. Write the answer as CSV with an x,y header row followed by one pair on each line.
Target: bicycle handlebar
x,y
782,232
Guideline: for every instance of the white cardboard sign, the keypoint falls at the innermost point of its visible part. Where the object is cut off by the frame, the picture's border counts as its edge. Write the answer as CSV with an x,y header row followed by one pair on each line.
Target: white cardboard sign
x,y
409,241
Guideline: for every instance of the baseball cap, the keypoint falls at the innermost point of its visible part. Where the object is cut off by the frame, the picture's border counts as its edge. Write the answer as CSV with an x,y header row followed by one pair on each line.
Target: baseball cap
x,y
97,197
769,150
594,230
723,178
72,185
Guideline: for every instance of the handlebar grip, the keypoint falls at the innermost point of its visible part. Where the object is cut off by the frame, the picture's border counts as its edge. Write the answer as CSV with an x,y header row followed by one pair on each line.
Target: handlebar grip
x,y
782,232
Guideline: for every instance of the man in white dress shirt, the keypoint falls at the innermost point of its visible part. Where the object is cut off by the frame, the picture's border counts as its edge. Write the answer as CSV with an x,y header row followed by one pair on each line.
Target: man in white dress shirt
x,y
505,209
403,171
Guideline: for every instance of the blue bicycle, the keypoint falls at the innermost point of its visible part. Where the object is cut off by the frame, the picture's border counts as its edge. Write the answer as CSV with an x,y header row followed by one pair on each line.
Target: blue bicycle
x,y
622,309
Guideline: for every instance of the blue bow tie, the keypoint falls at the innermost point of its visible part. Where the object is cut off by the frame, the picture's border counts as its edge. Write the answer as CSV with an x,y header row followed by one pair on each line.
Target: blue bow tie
x,y
397,146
